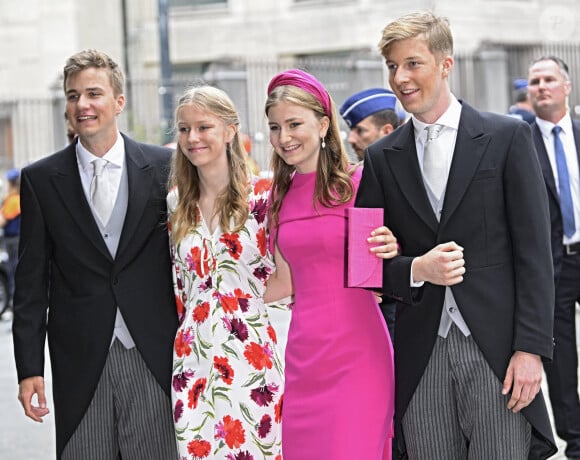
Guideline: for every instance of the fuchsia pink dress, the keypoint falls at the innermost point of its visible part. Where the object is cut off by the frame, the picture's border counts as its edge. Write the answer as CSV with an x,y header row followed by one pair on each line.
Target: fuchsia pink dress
x,y
339,396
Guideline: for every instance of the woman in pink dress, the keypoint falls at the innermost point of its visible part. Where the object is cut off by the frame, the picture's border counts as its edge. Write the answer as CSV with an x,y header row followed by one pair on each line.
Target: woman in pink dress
x,y
339,382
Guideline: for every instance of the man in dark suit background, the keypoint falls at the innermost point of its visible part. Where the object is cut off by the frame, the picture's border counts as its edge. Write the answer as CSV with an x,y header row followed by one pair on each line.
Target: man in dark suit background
x,y
555,134
462,191
94,276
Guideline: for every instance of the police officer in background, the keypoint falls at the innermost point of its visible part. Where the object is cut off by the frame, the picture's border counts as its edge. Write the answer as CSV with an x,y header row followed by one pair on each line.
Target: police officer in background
x,y
522,107
370,115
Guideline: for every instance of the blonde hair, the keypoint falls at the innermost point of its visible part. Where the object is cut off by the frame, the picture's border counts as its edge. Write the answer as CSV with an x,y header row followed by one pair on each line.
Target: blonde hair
x,y
232,201
333,185
433,28
93,58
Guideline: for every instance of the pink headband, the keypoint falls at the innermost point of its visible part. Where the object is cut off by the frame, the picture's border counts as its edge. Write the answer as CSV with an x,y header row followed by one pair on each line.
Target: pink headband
x,y
305,81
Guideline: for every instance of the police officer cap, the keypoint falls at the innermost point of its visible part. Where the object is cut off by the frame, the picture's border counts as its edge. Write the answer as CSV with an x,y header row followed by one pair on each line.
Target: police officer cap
x,y
12,174
360,105
520,83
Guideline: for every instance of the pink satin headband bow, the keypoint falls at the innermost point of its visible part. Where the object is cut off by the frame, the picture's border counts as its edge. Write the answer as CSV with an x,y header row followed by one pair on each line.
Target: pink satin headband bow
x,y
305,81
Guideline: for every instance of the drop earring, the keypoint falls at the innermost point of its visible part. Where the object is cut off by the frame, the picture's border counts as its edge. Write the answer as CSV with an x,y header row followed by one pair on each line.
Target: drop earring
x,y
323,142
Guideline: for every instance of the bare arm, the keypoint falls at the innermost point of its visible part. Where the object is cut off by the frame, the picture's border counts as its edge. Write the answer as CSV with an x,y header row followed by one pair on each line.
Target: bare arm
x,y
280,282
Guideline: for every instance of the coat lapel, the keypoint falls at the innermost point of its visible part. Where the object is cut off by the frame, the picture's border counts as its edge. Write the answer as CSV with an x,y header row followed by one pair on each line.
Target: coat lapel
x,y
470,146
67,183
140,180
402,158
545,162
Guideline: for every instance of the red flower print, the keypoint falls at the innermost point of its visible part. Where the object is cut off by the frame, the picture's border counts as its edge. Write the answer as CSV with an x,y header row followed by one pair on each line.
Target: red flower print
x,y
278,457
262,185
236,327
182,344
196,390
260,210
226,371
181,380
232,242
258,356
244,303
262,273
180,307
199,448
278,409
201,312
272,334
193,260
265,426
263,395
178,279
178,410
231,431
241,455
231,302
262,241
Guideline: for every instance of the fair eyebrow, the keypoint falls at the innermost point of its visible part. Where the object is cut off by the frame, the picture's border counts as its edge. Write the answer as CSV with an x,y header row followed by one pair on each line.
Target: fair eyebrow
x,y
96,88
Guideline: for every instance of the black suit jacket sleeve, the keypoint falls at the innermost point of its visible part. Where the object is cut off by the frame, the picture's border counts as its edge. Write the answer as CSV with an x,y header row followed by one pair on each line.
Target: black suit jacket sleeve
x,y
32,298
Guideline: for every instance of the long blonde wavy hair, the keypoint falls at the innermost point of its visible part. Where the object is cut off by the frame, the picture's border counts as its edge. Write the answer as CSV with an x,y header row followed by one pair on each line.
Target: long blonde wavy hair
x,y
232,201
333,185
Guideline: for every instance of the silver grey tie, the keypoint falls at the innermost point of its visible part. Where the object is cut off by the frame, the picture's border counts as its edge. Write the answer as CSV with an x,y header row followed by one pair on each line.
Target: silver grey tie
x,y
99,193
434,162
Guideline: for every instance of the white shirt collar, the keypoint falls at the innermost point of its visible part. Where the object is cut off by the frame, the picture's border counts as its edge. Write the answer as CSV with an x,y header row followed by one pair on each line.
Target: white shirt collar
x,y
546,126
449,119
116,154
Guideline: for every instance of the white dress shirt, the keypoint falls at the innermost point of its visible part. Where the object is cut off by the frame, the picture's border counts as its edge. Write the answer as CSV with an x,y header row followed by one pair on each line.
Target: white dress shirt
x,y
446,139
567,139
112,175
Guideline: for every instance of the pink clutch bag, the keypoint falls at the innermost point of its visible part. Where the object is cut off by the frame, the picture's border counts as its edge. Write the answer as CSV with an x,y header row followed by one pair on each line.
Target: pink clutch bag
x,y
365,269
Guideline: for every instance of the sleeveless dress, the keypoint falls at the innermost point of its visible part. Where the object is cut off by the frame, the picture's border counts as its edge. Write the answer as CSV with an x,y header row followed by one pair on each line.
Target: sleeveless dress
x,y
339,392
228,385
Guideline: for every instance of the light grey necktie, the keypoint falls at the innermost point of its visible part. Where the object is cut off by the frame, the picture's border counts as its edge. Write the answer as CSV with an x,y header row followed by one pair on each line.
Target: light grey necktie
x,y
99,191
434,162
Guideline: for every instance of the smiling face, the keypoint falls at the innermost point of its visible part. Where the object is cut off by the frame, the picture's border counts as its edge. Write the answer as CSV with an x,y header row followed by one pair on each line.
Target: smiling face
x,y
92,106
548,88
203,137
419,78
295,134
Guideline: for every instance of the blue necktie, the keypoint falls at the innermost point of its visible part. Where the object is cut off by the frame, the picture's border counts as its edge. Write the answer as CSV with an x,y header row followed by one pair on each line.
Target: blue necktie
x,y
566,205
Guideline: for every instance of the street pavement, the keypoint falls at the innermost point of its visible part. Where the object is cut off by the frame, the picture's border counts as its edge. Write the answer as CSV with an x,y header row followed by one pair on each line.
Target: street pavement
x,y
23,439
20,437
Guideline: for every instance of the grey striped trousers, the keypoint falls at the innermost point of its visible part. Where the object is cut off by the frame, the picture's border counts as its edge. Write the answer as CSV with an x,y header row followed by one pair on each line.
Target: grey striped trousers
x,y
129,417
458,412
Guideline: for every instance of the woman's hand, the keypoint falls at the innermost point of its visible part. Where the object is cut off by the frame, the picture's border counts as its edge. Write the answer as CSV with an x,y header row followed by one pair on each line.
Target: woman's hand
x,y
384,244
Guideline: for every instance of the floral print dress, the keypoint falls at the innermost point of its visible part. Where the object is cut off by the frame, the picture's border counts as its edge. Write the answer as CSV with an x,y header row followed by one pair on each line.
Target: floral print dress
x,y
228,381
